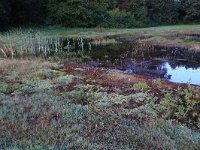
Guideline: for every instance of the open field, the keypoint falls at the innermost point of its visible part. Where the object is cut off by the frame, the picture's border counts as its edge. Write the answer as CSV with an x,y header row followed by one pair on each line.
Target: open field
x,y
49,102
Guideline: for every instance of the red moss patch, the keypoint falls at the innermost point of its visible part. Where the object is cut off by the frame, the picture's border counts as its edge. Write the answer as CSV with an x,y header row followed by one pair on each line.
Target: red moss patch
x,y
100,76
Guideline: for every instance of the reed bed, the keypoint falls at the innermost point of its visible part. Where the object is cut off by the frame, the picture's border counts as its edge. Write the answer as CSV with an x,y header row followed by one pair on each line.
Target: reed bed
x,y
14,44
32,43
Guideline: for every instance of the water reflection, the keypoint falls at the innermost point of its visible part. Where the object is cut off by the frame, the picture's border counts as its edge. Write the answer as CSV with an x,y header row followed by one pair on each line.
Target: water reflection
x,y
180,66
171,70
182,74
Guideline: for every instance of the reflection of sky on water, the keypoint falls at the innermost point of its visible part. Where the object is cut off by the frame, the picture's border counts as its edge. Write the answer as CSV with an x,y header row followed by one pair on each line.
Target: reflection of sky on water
x,y
182,75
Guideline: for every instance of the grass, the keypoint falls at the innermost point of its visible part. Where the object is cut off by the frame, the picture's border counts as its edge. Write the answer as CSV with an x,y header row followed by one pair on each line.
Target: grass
x,y
112,31
95,32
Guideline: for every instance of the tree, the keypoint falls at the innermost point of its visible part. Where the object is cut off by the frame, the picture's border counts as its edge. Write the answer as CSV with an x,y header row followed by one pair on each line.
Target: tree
x,y
76,13
27,12
139,10
121,19
163,11
124,4
4,14
91,13
191,10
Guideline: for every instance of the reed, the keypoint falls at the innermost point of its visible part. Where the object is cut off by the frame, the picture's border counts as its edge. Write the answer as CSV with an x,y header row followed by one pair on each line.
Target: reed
x,y
33,43
18,43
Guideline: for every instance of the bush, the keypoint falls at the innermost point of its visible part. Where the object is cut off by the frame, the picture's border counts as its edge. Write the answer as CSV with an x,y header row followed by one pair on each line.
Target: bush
x,y
121,19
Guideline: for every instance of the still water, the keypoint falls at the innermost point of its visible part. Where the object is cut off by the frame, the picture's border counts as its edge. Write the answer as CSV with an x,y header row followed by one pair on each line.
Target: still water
x,y
179,66
182,74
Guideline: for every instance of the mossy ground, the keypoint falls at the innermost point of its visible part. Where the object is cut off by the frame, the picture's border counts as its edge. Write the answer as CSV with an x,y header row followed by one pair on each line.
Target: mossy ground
x,y
69,106
46,105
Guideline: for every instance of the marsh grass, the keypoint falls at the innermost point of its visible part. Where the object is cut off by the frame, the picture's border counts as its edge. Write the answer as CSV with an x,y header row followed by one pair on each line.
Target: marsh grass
x,y
20,44
47,42
32,44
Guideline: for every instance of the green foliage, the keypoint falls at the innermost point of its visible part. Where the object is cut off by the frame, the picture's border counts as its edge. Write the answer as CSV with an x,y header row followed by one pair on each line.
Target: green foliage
x,y
92,13
165,11
183,107
141,86
168,104
5,88
18,43
75,13
139,10
191,9
157,82
55,73
81,97
121,19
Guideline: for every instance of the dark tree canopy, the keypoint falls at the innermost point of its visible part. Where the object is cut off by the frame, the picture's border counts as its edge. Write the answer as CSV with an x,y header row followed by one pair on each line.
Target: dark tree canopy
x,y
76,13
91,13
139,10
28,11
4,14
163,11
191,9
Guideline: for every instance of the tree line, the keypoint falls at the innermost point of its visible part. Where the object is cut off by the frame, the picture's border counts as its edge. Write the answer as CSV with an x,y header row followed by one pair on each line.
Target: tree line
x,y
92,13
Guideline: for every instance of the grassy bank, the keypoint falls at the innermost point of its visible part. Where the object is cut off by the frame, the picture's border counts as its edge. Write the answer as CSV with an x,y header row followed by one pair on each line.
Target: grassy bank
x,y
90,32
43,42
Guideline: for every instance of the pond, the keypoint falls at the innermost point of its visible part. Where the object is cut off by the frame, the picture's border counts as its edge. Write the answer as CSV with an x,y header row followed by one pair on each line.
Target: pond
x,y
175,65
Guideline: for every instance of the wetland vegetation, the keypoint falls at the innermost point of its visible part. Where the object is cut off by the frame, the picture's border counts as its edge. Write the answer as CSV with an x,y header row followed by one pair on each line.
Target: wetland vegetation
x,y
108,86
98,90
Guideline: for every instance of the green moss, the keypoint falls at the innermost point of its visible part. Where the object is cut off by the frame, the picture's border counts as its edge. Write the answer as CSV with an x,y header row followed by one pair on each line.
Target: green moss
x,y
65,79
141,86
55,73
6,88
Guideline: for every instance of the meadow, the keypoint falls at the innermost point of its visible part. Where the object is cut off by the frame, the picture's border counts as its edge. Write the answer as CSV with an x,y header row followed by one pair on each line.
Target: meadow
x,y
55,96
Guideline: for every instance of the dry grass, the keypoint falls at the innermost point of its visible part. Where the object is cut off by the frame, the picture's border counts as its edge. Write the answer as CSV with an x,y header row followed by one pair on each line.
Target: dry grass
x,y
22,66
